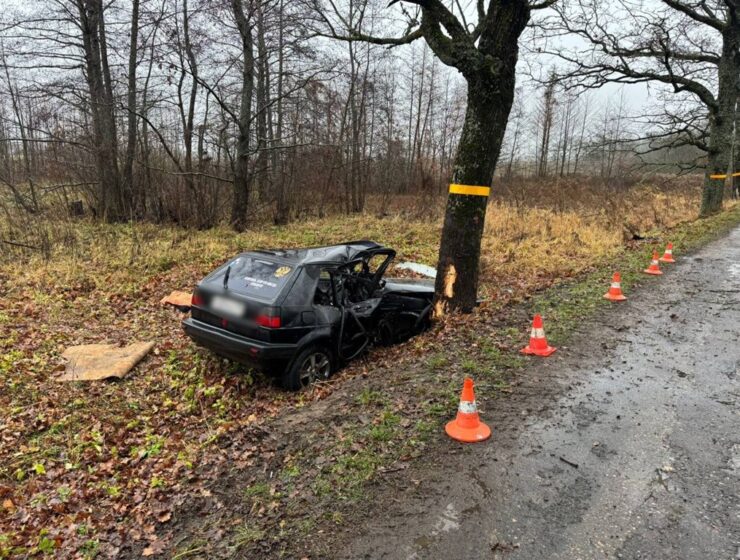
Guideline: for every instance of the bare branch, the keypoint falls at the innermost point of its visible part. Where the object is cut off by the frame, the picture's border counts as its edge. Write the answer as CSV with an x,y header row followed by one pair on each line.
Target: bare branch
x,y
707,18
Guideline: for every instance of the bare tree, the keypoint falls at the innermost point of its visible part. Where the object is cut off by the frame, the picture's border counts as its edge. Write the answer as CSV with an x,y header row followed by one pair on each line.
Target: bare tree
x,y
112,204
582,134
264,129
690,46
188,68
165,112
485,53
129,189
30,204
244,122
735,160
546,118
282,205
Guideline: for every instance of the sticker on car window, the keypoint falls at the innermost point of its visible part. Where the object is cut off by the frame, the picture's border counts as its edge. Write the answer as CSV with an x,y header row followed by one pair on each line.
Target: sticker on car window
x,y
282,271
259,282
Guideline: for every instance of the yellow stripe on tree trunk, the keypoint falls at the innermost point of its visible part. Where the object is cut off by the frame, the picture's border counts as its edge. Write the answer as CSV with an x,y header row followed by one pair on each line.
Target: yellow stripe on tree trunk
x,y
469,190
718,176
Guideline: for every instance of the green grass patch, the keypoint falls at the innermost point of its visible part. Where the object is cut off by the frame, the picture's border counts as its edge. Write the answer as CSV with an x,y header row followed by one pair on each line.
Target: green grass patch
x,y
566,305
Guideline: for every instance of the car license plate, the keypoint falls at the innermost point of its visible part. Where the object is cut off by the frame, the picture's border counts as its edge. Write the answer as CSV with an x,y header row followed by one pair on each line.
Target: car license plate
x,y
228,306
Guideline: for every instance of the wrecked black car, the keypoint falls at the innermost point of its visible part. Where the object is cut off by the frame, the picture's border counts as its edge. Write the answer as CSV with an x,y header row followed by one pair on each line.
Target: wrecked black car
x,y
301,313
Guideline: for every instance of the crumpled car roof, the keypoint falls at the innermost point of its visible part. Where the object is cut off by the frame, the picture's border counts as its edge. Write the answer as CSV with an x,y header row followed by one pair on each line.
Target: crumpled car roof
x,y
339,253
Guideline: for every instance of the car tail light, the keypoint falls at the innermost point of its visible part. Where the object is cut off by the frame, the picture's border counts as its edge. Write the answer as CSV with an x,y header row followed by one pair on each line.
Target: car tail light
x,y
197,299
268,321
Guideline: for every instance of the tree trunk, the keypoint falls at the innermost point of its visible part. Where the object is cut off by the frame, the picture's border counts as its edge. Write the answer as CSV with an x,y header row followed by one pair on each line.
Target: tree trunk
x,y
489,103
580,140
282,205
566,137
735,185
241,165
548,108
721,121
129,189
262,174
491,78
512,155
188,120
145,191
110,199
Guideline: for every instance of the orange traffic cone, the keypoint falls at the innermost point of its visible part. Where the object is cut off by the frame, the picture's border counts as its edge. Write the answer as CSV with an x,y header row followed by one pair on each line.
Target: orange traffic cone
x,y
654,268
537,341
668,255
615,291
467,426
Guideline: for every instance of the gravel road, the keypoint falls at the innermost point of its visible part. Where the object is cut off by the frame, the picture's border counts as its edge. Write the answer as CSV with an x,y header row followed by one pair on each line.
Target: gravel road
x,y
632,452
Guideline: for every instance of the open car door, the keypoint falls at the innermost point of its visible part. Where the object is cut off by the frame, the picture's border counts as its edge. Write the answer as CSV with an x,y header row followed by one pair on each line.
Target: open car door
x,y
364,275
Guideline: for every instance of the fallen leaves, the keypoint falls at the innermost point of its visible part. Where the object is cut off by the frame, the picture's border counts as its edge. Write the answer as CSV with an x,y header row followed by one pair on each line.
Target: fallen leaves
x,y
108,456
153,548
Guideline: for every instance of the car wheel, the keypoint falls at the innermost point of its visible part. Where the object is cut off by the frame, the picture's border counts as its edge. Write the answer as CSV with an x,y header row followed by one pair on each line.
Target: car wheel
x,y
314,363
386,334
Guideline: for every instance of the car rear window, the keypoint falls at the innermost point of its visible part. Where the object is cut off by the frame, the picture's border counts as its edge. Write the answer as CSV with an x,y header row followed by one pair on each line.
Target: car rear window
x,y
254,276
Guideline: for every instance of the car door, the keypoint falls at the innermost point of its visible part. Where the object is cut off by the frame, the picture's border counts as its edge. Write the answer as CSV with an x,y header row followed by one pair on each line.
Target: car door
x,y
321,296
375,266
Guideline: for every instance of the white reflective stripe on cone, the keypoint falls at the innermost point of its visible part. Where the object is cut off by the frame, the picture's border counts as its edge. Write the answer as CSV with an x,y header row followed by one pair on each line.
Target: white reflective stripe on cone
x,y
616,285
537,333
669,251
467,407
654,263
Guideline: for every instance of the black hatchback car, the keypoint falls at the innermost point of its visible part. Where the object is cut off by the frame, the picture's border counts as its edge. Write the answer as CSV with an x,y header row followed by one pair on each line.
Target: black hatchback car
x,y
301,313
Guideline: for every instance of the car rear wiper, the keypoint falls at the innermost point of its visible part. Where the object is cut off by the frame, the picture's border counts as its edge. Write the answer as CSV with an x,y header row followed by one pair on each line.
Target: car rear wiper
x,y
226,277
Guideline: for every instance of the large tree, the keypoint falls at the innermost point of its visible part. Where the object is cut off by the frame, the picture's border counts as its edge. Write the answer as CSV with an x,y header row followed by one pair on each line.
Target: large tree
x,y
689,45
112,204
485,52
242,179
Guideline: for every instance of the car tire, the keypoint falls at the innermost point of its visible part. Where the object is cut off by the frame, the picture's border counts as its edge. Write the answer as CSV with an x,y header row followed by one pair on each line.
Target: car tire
x,y
313,363
386,334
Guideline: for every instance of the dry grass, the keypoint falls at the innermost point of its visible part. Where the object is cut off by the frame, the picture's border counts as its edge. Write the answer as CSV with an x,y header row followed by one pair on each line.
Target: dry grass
x,y
523,243
533,245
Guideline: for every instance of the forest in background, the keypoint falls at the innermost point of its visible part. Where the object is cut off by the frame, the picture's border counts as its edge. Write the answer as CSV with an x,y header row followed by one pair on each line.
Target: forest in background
x,y
186,101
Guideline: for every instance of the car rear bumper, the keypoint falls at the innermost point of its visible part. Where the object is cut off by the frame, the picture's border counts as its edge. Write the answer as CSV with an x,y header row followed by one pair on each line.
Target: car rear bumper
x,y
255,353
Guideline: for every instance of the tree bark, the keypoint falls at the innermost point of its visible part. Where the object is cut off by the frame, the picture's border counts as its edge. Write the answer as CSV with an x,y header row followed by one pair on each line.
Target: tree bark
x,y
721,119
129,188
262,175
735,184
491,76
282,205
110,200
241,164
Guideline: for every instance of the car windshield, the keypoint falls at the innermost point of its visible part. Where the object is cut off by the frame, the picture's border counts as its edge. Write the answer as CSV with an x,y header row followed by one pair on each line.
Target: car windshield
x,y
254,276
